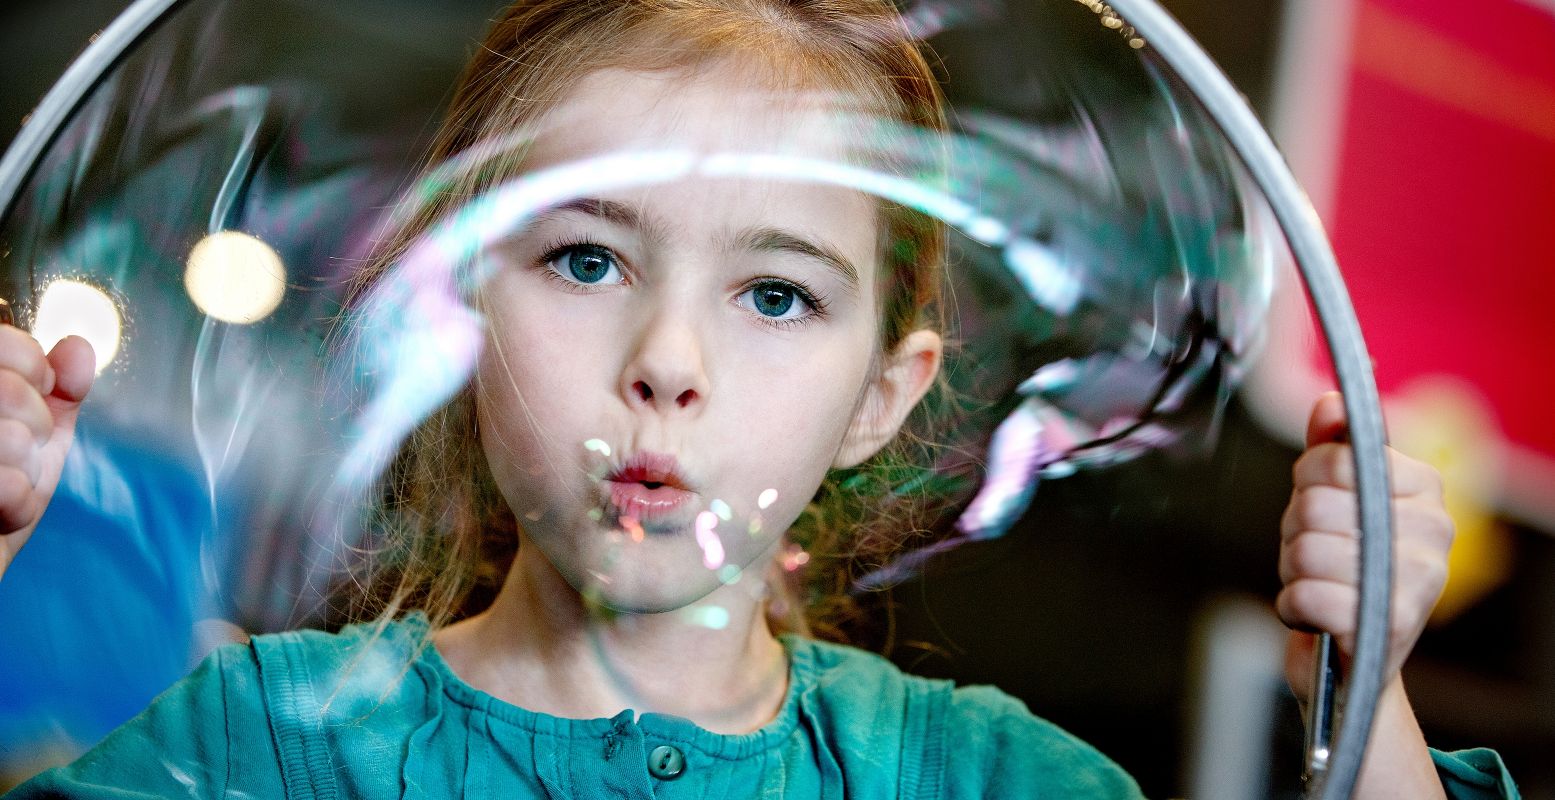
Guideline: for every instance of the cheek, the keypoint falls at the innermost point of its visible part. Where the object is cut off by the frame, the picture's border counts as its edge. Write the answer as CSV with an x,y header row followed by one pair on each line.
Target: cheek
x,y
526,344
534,378
795,407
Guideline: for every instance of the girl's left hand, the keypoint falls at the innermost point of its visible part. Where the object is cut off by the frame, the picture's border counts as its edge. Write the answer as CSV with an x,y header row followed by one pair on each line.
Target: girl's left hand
x,y
1320,547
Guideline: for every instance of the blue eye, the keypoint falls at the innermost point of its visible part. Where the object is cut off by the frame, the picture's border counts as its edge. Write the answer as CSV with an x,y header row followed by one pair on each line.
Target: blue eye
x,y
773,300
584,263
779,301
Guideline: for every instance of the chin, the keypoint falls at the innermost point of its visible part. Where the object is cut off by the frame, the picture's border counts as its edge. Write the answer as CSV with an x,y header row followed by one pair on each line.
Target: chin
x,y
649,594
662,573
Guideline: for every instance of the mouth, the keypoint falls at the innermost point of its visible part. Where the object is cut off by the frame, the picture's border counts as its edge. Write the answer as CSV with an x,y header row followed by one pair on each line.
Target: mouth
x,y
648,487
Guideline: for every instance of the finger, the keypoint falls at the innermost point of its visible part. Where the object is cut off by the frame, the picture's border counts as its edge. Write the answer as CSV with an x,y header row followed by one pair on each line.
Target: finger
x,y
1333,464
16,503
19,449
1319,606
1327,421
19,400
1421,525
1320,508
20,353
75,366
1321,556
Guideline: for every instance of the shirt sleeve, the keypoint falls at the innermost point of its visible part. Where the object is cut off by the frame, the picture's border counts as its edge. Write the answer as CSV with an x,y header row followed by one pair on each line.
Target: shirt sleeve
x,y
1477,774
206,736
995,747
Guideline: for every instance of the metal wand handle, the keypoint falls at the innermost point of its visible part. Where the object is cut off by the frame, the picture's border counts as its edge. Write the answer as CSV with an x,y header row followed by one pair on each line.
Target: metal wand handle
x,y
1320,711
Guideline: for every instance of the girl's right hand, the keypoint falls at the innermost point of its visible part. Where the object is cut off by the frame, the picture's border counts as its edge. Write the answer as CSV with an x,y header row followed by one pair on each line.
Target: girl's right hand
x,y
40,397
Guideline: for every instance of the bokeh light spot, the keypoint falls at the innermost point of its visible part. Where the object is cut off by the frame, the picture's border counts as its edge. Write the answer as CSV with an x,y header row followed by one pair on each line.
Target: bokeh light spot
x,y
766,498
713,617
707,539
235,277
72,307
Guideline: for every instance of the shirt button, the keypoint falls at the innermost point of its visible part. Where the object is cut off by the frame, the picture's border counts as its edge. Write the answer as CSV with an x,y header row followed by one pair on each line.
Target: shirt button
x,y
666,763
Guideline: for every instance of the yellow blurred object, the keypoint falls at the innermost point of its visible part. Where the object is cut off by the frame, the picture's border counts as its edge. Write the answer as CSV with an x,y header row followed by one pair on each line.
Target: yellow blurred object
x,y
1446,424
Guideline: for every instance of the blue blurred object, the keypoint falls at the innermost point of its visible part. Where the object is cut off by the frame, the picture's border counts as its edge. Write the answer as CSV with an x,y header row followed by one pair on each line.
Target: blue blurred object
x,y
100,607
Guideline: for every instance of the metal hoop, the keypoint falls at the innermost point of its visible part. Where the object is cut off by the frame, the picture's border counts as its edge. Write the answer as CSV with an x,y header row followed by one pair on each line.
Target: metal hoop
x,y
46,121
1320,272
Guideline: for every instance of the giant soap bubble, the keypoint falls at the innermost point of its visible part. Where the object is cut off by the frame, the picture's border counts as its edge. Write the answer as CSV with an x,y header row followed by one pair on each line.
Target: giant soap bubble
x,y
610,318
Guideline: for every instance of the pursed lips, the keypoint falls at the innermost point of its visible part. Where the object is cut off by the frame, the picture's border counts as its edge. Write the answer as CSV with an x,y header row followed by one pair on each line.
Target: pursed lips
x,y
648,486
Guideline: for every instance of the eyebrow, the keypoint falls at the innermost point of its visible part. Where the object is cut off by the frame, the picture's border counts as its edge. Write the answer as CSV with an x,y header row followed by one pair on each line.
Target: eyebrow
x,y
758,239
775,240
614,212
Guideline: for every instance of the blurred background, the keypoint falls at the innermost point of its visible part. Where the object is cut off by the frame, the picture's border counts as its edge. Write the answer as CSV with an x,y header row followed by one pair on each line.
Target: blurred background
x,y
1131,606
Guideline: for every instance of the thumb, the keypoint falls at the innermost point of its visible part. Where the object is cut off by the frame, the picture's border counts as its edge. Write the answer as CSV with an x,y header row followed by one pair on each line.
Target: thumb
x,y
1327,423
75,367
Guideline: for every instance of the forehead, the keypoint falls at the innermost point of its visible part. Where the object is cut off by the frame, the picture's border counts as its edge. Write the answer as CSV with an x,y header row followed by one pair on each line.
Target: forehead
x,y
717,106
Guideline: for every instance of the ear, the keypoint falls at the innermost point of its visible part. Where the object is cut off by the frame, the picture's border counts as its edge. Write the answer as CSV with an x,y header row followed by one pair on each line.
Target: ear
x,y
904,378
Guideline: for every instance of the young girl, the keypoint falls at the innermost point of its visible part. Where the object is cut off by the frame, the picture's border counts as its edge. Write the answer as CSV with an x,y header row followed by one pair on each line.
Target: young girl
x,y
673,375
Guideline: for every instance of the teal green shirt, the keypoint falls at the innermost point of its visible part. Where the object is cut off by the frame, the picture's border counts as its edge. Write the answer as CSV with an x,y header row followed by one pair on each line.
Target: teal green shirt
x,y
319,716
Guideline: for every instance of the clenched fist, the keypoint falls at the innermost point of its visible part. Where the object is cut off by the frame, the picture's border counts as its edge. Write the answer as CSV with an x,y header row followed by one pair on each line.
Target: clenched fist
x,y
1320,547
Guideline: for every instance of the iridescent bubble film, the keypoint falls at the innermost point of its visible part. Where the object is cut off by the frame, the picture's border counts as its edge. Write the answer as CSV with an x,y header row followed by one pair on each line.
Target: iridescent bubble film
x,y
647,327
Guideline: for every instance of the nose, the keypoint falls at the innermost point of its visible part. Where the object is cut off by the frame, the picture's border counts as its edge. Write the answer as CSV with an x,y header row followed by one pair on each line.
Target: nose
x,y
665,372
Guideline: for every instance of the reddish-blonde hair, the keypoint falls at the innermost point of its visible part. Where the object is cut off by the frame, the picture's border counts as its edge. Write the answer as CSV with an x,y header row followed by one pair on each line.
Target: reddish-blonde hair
x,y
443,536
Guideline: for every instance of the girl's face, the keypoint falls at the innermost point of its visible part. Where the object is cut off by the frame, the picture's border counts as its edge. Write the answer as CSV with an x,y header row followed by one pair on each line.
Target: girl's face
x,y
672,370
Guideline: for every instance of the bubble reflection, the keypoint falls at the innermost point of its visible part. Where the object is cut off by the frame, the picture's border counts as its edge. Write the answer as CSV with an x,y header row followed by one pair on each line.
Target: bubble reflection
x,y
1109,266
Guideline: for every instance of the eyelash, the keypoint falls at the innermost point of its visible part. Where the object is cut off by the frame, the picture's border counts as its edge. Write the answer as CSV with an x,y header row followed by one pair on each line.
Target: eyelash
x,y
802,291
560,247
